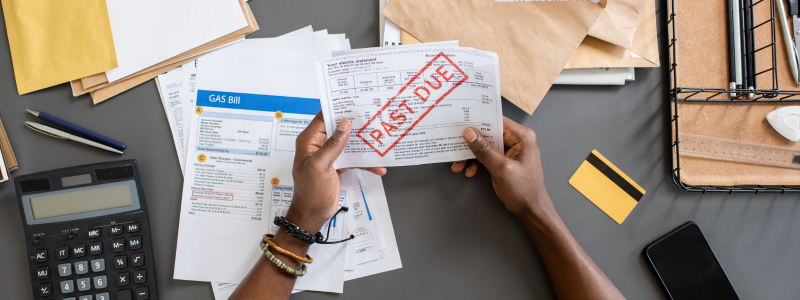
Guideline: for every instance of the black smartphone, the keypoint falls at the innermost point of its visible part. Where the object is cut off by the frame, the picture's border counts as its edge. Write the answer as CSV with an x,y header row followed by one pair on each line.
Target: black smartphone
x,y
687,267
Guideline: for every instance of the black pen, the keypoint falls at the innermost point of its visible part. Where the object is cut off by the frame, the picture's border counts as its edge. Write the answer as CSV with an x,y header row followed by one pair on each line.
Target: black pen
x,y
743,43
751,60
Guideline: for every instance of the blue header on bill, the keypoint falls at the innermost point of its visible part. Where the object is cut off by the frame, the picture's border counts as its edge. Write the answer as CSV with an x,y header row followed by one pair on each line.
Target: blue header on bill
x,y
294,105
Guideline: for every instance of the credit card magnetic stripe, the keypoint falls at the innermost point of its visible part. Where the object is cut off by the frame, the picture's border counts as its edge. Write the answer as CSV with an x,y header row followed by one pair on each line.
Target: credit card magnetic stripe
x,y
615,175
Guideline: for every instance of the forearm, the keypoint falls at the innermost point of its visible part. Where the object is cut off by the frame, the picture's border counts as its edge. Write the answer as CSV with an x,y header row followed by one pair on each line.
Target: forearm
x,y
266,280
572,271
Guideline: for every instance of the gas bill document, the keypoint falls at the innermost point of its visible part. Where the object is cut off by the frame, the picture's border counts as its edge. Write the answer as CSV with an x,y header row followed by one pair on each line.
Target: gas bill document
x,y
238,178
409,105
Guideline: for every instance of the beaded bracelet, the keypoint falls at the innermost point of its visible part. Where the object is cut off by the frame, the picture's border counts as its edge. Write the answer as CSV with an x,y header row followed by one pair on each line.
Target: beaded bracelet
x,y
282,265
268,239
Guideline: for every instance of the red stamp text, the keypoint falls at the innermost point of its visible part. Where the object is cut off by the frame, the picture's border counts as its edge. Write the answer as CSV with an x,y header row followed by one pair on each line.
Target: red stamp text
x,y
411,104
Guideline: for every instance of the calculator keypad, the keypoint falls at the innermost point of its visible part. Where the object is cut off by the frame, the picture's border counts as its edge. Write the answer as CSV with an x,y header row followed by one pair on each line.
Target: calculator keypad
x,y
81,268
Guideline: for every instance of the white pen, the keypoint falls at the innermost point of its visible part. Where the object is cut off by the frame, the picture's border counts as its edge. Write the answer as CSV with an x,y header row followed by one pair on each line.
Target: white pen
x,y
791,51
47,130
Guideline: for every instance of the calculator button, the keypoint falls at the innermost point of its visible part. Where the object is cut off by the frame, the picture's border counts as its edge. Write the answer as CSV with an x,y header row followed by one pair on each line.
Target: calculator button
x,y
40,255
133,227
79,250
98,265
139,276
86,297
70,298
96,248
135,242
95,233
120,262
62,252
84,284
102,296
68,236
124,295
142,293
43,272
65,270
118,245
45,289
37,241
67,286
123,279
81,267
115,230
137,259
100,282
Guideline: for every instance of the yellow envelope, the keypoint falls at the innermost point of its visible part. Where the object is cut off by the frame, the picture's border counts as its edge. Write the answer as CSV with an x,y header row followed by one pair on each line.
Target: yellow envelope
x,y
57,41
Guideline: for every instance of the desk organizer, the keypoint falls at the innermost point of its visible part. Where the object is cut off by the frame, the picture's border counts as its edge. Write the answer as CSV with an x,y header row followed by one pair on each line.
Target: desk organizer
x,y
700,102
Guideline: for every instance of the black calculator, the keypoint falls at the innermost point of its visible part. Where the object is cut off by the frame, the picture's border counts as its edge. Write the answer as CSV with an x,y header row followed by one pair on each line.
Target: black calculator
x,y
88,233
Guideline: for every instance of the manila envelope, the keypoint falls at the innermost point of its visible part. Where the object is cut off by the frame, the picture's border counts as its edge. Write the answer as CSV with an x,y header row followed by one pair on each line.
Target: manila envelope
x,y
595,53
534,40
618,22
53,42
252,26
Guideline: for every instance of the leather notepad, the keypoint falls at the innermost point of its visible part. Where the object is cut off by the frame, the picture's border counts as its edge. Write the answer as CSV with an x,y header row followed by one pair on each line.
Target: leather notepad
x,y
9,159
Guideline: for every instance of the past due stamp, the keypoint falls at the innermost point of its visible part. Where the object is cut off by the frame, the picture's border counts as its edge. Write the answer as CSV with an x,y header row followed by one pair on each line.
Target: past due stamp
x,y
415,100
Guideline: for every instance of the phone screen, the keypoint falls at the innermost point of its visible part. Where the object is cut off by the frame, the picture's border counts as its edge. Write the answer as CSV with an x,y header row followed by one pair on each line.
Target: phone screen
x,y
687,266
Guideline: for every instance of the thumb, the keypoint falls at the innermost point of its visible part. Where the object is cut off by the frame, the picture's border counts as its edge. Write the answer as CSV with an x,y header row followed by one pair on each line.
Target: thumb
x,y
483,150
335,144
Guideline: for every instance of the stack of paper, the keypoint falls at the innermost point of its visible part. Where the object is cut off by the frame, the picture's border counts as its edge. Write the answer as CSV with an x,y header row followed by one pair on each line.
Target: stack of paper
x,y
235,114
152,37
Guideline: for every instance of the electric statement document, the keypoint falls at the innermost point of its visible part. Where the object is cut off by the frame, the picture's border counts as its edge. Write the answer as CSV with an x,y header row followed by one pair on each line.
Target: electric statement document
x,y
409,105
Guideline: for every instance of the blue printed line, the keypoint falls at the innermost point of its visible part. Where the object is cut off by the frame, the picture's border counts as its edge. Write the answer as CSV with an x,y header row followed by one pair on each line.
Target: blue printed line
x,y
365,200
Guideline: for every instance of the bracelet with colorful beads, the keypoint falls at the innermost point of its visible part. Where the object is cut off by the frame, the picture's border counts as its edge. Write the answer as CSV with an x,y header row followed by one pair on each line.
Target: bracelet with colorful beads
x,y
268,240
282,265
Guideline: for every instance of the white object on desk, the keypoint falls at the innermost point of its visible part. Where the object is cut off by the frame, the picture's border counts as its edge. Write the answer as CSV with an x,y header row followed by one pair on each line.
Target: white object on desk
x,y
786,121
147,32
596,76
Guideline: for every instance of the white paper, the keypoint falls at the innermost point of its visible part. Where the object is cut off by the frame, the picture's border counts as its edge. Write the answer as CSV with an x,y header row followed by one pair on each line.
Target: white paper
x,y
147,32
595,76
390,258
407,111
170,88
366,245
218,239
390,32
188,79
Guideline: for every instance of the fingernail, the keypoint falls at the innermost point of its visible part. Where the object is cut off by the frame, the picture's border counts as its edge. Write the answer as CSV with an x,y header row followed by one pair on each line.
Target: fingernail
x,y
470,135
342,124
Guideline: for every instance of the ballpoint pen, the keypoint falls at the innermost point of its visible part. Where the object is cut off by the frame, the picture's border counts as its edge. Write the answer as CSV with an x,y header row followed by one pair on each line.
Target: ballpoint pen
x,y
47,130
88,134
791,51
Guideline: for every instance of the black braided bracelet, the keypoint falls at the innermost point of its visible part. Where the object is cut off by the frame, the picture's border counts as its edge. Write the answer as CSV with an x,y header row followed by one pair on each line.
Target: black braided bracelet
x,y
300,234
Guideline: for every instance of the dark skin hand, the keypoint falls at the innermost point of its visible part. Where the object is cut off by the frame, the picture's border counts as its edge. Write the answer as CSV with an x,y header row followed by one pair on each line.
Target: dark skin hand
x,y
519,183
574,274
315,201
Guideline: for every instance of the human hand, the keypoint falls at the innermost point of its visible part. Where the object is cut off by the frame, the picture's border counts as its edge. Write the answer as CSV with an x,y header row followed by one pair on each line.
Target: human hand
x,y
316,182
517,177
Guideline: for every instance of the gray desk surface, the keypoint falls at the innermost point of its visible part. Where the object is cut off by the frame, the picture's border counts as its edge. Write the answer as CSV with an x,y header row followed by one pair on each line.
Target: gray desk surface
x,y
456,239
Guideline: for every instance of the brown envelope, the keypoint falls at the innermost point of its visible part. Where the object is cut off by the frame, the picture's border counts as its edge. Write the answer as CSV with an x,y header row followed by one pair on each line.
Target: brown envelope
x,y
97,81
594,53
618,21
534,40
8,154
106,92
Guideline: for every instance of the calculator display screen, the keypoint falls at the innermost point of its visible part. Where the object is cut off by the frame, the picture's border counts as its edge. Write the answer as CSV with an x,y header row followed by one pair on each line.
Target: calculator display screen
x,y
71,202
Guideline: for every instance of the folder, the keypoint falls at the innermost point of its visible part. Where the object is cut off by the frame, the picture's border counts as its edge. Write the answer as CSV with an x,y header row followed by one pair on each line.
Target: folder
x,y
53,42
105,90
534,40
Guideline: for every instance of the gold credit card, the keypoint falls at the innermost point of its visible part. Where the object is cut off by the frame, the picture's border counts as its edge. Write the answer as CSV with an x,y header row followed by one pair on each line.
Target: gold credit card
x,y
607,187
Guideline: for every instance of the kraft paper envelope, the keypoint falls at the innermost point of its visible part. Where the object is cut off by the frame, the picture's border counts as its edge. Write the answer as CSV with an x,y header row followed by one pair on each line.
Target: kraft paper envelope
x,y
533,40
53,42
594,53
119,86
96,79
618,21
